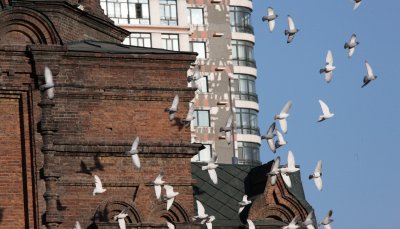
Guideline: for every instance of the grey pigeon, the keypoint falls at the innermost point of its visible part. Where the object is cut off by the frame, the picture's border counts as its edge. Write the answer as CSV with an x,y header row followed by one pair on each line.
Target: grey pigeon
x,y
49,84
291,31
271,16
370,75
351,45
173,108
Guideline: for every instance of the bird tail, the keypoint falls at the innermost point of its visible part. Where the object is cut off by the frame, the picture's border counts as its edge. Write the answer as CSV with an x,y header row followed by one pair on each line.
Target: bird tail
x,y
264,18
322,70
286,32
346,45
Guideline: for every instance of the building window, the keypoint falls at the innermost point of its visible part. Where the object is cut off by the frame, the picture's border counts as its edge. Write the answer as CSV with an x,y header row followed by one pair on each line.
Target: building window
x,y
204,154
202,84
127,11
200,48
196,16
242,53
246,121
138,39
168,12
170,41
245,89
240,19
249,153
202,118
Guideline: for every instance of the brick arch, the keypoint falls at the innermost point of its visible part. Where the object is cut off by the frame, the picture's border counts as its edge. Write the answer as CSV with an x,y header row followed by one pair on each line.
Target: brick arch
x,y
177,213
111,207
20,25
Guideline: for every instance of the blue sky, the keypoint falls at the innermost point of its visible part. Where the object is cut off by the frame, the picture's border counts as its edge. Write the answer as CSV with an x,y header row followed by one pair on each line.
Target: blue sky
x,y
358,145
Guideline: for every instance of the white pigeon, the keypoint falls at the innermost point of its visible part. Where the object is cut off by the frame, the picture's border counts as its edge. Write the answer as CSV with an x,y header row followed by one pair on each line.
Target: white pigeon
x,y
293,224
280,142
173,108
317,175
77,225
326,114
290,168
134,153
351,45
227,129
201,213
210,167
370,75
328,67
274,170
271,16
157,185
121,219
98,186
326,222
169,195
49,84
283,115
189,116
209,221
291,31
243,203
269,136
251,224
356,4
308,223
170,225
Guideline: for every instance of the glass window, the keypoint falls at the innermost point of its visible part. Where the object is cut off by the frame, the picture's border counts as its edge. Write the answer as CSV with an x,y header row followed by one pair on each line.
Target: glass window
x,y
249,153
240,19
127,11
170,41
200,48
204,154
245,88
246,121
138,39
196,16
242,53
202,118
168,12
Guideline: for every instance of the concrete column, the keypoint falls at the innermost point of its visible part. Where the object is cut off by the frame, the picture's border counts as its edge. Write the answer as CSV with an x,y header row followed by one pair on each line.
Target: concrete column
x,y
154,7
182,13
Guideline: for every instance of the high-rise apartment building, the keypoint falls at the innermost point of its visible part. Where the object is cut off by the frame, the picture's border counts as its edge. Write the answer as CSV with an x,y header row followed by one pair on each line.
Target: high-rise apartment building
x,y
220,31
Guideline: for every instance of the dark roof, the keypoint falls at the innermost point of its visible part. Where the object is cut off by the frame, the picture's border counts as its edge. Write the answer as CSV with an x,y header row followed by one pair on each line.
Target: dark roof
x,y
115,48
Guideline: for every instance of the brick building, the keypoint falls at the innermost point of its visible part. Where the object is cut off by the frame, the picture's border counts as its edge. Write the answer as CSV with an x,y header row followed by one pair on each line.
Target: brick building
x,y
106,94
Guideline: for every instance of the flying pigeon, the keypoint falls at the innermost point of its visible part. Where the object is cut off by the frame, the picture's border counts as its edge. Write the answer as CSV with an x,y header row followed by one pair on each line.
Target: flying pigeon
x,y
317,176
328,67
210,167
170,225
134,153
351,45
326,114
290,168
121,219
293,224
291,31
283,115
280,142
49,84
243,203
169,195
189,116
271,16
251,224
157,185
201,214
227,129
173,108
356,4
77,225
98,186
269,136
370,75
308,223
326,222
274,170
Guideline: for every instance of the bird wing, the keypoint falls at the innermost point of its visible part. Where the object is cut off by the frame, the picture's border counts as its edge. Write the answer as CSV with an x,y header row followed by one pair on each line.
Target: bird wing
x,y
290,38
209,225
273,179
158,178
294,220
291,23
270,11
77,225
175,103
283,124
353,38
324,107
280,137
351,51
275,166
135,143
136,161
244,199
251,224
318,183
329,57
48,76
318,168
200,209
189,115
356,5
327,226
287,180
291,162
157,189
228,136
213,175
168,190
97,182
170,225
271,129
310,226
310,215
370,73
170,202
121,222
271,144
271,25
229,122
328,76
286,108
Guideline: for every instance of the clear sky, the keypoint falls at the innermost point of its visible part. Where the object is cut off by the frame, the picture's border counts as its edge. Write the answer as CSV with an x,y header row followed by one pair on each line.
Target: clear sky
x,y
358,145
